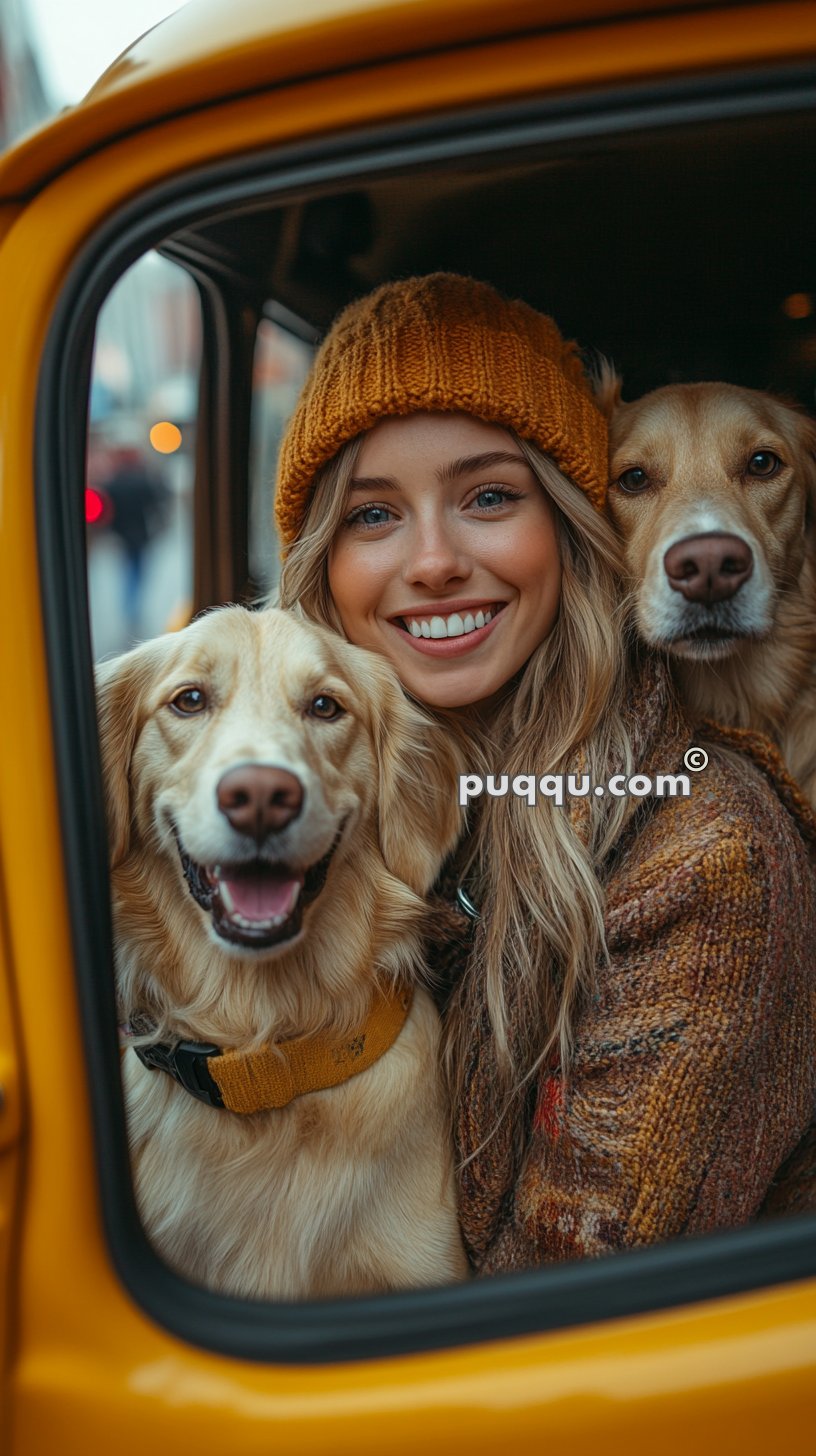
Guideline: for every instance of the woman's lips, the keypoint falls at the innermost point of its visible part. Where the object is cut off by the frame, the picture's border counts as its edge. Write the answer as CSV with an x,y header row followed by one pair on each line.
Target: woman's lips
x,y
450,646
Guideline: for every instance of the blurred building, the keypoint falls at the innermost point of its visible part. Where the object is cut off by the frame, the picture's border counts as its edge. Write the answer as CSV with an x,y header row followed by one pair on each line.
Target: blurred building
x,y
141,446
23,99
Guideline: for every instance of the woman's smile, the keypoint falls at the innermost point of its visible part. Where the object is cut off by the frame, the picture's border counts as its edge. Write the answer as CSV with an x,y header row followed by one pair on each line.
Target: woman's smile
x,y
478,559
448,629
447,559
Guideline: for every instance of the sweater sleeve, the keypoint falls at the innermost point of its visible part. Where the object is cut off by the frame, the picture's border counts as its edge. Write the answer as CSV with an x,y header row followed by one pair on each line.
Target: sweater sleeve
x,y
693,1074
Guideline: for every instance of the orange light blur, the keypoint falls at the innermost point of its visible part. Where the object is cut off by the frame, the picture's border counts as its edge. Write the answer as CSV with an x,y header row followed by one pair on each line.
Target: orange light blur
x,y
798,305
165,437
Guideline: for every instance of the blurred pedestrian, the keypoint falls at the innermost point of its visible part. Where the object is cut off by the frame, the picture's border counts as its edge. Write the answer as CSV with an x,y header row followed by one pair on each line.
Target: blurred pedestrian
x,y
139,501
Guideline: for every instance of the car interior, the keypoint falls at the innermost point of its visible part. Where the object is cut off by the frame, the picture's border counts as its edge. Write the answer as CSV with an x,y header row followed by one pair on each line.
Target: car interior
x,y
680,254
679,243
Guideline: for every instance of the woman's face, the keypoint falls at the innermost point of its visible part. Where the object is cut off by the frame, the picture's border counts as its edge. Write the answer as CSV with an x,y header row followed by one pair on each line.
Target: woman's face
x,y
446,560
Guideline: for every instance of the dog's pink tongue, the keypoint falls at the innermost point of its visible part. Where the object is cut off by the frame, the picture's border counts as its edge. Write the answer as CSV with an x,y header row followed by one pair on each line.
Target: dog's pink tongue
x,y
262,896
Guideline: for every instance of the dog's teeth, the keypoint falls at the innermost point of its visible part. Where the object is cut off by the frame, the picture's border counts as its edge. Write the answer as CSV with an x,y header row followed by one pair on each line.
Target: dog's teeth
x,y
246,924
425,628
415,629
226,898
470,622
479,619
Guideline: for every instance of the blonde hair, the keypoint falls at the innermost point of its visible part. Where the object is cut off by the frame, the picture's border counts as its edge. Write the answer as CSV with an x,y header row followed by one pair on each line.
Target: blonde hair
x,y
535,871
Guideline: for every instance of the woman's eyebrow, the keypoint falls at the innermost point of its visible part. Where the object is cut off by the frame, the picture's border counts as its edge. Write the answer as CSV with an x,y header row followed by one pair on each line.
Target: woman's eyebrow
x,y
469,463
372,482
451,471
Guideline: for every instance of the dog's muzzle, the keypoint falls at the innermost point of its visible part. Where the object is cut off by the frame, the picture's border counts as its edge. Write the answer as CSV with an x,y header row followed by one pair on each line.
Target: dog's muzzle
x,y
257,904
707,571
708,568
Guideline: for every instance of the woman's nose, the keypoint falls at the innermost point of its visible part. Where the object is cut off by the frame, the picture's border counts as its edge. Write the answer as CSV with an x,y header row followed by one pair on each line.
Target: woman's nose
x,y
435,557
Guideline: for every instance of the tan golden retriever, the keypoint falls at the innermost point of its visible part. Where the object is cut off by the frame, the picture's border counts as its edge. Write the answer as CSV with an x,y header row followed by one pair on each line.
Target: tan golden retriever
x,y
277,810
713,488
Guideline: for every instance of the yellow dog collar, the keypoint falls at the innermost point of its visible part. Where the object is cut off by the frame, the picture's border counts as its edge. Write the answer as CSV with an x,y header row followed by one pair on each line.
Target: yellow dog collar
x,y
274,1075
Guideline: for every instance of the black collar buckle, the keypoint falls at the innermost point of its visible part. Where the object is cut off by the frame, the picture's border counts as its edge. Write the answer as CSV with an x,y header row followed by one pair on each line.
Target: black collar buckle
x,y
186,1062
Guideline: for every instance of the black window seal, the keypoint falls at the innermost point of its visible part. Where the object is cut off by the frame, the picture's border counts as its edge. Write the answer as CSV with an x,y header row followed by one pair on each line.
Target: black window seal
x,y
220,520
683,1272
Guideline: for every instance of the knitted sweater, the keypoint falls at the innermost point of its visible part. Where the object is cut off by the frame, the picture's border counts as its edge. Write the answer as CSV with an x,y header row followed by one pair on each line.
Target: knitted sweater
x,y
694,1074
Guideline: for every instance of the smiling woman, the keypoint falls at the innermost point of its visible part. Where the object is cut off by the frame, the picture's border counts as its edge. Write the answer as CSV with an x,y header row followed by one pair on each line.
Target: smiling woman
x,y
458,508
623,982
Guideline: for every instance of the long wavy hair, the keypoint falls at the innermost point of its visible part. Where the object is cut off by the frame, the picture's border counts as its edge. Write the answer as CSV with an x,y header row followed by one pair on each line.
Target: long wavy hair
x,y
535,871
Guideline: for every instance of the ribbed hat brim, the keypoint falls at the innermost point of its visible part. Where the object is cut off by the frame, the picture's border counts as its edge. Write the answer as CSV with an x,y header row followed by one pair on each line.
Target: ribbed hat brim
x,y
450,344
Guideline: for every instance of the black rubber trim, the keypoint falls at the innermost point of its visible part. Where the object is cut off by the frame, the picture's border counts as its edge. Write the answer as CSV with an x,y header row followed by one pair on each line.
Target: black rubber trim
x,y
684,1272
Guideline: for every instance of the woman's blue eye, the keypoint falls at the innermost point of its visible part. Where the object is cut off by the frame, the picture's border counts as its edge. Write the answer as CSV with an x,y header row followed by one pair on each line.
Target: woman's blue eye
x,y
369,516
495,495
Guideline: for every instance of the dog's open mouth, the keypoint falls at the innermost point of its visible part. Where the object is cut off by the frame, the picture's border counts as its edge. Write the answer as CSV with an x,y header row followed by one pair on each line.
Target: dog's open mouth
x,y
702,640
710,634
257,904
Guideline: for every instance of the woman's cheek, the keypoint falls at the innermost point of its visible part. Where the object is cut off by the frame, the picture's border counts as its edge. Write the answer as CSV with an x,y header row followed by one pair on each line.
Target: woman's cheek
x,y
357,579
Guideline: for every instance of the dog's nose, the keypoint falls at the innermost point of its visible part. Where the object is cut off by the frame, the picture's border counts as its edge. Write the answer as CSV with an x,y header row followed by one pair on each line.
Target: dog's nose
x,y
709,568
258,799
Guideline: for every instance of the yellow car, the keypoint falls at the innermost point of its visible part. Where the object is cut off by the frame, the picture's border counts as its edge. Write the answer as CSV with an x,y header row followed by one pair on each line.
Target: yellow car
x,y
645,172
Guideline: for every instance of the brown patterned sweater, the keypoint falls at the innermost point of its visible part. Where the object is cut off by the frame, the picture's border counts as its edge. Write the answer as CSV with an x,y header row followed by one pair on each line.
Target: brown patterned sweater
x,y
693,1075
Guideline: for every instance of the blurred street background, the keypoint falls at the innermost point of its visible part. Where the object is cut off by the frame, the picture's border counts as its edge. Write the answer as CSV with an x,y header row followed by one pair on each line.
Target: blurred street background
x,y
144,395
139,489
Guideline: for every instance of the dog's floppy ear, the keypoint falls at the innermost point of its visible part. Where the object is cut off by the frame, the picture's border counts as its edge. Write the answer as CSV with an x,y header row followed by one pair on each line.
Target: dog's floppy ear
x,y
419,763
120,687
807,433
607,386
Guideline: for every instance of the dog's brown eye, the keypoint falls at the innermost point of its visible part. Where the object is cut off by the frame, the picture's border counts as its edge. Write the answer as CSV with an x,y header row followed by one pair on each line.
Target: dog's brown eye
x,y
633,480
325,707
188,702
764,464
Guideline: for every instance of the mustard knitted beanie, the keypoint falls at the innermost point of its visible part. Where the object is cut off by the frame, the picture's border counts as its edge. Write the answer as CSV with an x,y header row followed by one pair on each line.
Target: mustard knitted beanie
x,y
442,343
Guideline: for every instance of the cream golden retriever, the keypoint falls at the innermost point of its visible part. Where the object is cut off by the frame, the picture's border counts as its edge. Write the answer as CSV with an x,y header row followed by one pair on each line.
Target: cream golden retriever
x,y
713,488
277,810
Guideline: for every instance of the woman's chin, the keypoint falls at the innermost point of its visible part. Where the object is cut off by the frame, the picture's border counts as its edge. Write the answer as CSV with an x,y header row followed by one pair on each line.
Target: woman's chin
x,y
455,691
459,679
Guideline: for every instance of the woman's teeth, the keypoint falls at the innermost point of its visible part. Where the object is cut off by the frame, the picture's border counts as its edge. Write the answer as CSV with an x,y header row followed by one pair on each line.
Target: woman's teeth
x,y
452,626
